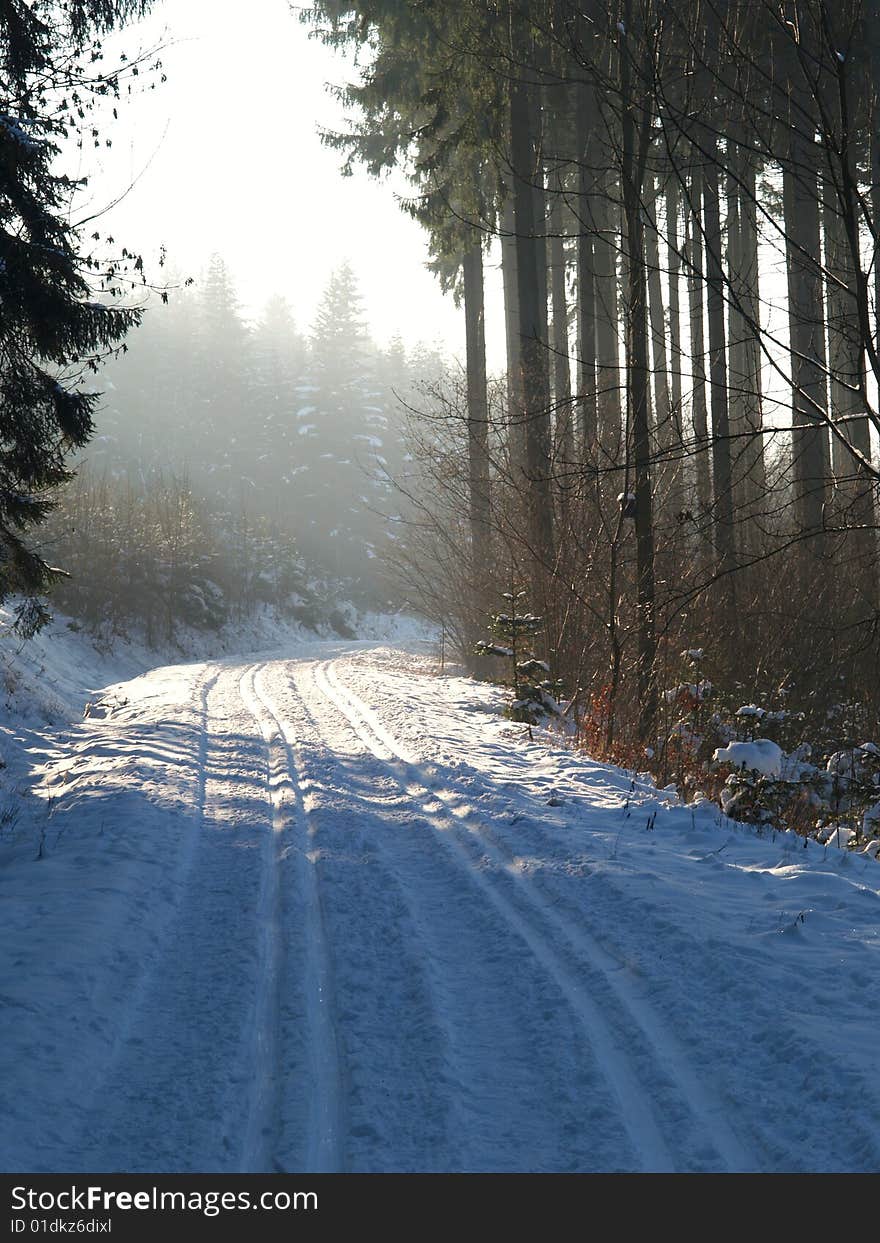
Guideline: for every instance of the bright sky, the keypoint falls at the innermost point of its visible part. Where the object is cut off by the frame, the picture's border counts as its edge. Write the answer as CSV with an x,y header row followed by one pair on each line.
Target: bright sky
x,y
228,160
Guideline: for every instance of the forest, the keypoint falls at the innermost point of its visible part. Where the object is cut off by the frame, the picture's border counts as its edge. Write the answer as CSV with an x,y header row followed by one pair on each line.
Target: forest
x,y
239,466
678,474
659,521
439,603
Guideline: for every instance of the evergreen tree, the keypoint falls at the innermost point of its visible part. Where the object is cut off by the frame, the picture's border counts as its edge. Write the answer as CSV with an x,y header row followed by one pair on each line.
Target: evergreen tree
x,y
278,364
347,427
223,407
150,393
52,327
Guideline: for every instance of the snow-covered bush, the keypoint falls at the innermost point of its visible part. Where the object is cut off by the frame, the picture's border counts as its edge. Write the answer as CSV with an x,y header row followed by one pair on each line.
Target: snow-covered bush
x,y
762,756
837,801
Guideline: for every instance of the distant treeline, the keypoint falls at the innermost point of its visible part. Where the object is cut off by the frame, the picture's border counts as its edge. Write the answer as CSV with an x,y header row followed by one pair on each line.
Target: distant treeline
x,y
154,557
303,432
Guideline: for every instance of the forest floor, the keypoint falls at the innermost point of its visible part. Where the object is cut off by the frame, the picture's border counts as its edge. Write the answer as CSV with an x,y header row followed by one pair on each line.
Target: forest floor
x,y
327,909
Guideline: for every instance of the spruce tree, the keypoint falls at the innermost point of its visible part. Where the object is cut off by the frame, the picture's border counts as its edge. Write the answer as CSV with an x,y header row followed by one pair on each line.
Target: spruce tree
x,y
278,358
223,374
348,430
52,328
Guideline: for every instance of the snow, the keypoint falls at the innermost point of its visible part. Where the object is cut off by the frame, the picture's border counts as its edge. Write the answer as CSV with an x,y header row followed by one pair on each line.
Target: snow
x,y
762,755
324,908
14,127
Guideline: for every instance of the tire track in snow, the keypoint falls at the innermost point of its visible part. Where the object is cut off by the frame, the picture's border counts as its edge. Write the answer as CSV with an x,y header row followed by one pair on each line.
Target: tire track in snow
x,y
324,1151
636,1110
91,1116
400,964
489,1096
669,1053
261,1129
185,867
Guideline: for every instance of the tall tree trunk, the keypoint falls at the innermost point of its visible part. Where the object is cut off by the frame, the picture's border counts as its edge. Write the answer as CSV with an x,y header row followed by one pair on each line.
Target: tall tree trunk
x,y
846,358
636,120
755,469
696,288
736,338
872,28
607,307
743,348
657,315
807,335
664,426
678,495
673,263
516,421
565,453
586,280
477,402
531,247
722,479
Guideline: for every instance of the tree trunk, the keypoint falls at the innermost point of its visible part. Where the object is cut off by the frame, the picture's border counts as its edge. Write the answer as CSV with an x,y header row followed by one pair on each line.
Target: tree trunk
x,y
532,302
516,423
872,27
809,438
743,349
632,179
673,263
722,480
846,357
477,402
678,493
696,287
755,470
586,281
565,454
608,372
664,427
657,314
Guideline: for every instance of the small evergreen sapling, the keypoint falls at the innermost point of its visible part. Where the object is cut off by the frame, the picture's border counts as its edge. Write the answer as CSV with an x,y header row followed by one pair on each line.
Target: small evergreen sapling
x,y
535,694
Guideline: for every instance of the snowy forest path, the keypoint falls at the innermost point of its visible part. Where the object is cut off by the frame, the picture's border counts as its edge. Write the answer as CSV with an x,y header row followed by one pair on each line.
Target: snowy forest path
x,y
190,1082
332,913
322,1149
632,1046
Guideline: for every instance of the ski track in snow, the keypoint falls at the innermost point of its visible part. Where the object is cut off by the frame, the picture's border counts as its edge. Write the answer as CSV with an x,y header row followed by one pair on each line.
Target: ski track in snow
x,y
491,1100
756,1030
636,1110
171,1096
327,946
635,1103
662,1047
261,1132
324,1127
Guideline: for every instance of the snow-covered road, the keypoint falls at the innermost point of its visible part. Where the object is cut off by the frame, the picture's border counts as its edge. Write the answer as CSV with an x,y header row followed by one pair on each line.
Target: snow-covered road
x,y
330,912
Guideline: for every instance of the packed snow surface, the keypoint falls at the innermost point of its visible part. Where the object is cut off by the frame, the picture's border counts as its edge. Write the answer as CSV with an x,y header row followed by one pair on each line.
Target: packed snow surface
x,y
326,909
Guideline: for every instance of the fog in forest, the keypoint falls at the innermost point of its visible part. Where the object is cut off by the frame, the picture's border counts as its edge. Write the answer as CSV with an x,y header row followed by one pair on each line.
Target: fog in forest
x,y
459,308
242,463
439,597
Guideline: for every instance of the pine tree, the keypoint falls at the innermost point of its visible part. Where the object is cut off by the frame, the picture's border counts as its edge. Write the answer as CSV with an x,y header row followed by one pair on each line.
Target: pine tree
x,y
52,328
